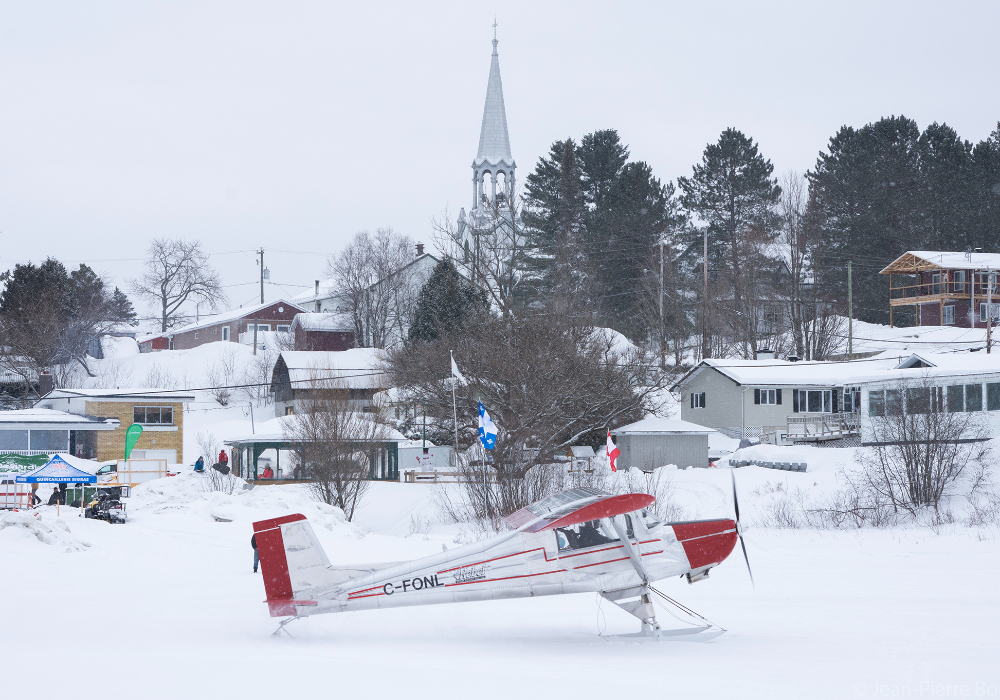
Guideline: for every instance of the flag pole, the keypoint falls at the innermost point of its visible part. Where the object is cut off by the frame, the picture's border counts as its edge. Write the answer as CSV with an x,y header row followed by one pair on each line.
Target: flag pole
x,y
454,408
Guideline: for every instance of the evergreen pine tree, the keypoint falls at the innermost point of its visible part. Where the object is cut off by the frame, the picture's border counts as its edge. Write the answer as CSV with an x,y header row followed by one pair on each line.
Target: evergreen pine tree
x,y
446,303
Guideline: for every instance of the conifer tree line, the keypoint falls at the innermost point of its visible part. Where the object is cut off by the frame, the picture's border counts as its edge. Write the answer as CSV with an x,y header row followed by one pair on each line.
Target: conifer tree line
x,y
607,242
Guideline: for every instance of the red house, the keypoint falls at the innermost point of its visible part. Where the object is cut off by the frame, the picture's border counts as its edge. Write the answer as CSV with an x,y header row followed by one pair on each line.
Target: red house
x,y
320,331
946,289
233,326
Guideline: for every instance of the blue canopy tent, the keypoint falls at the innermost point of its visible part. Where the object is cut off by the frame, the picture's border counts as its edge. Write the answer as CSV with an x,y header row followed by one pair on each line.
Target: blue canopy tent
x,y
58,471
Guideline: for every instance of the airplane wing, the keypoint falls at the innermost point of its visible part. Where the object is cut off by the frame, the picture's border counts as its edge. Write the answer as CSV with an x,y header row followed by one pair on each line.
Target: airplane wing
x,y
575,506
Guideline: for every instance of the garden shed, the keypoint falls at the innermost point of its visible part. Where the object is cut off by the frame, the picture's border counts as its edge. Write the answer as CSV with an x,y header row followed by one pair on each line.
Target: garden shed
x,y
657,442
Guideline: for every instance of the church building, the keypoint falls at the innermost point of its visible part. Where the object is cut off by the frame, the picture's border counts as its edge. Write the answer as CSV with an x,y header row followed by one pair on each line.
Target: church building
x,y
492,170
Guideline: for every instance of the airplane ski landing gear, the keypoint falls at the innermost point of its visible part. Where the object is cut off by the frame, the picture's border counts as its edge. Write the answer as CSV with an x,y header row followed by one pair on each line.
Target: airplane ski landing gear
x,y
637,602
281,626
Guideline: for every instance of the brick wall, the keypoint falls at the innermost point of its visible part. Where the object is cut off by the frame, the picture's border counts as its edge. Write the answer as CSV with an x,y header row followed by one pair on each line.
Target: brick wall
x,y
111,443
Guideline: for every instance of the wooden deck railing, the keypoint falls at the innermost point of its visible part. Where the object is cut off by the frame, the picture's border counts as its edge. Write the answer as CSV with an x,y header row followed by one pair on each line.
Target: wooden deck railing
x,y
823,426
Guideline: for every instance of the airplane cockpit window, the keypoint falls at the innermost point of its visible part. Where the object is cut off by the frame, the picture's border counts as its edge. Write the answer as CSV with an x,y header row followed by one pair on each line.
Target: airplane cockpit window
x,y
650,520
592,533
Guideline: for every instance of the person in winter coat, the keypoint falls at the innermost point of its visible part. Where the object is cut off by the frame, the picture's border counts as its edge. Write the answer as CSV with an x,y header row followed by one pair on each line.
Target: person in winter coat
x,y
268,474
223,457
199,466
35,500
256,554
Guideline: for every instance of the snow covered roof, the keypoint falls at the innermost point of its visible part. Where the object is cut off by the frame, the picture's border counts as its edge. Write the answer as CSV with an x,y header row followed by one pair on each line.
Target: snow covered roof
x,y
916,260
886,367
275,430
140,394
322,322
326,291
226,316
656,426
41,418
358,368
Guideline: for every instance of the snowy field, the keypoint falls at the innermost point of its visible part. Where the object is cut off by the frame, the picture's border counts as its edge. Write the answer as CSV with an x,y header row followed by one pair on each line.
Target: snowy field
x,y
166,606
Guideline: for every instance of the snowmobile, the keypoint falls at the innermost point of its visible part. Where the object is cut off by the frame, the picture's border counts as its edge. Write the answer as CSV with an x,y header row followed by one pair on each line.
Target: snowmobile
x,y
107,507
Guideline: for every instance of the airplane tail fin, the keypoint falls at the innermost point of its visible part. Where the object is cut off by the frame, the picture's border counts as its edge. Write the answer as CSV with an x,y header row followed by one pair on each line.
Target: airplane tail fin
x,y
292,561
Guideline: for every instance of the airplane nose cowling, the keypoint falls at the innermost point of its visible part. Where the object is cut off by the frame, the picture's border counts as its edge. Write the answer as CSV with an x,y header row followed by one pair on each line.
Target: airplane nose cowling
x,y
706,542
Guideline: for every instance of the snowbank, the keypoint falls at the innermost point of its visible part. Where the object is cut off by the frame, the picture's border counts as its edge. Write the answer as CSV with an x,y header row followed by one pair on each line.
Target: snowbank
x,y
25,526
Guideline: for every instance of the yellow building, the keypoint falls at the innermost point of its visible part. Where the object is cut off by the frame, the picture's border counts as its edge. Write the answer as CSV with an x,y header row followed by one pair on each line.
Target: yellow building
x,y
160,412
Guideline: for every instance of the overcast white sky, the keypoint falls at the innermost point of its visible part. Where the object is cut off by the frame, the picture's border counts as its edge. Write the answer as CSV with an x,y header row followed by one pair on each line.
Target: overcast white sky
x,y
292,125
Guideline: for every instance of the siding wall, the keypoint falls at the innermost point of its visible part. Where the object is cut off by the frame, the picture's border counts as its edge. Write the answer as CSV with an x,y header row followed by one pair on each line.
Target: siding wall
x,y
649,452
111,443
722,405
211,334
724,400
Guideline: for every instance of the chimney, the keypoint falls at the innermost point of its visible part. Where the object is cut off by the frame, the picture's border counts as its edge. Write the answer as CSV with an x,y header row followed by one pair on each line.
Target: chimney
x,y
316,292
765,354
46,383
420,249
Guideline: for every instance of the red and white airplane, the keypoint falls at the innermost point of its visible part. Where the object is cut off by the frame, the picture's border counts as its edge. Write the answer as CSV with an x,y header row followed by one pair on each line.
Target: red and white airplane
x,y
580,540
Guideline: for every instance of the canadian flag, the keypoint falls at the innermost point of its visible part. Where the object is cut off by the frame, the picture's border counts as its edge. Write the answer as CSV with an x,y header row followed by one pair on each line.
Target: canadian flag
x,y
613,452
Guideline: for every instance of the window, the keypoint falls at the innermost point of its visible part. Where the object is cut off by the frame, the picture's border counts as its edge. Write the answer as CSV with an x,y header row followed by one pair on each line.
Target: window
x,y
283,329
949,315
959,281
196,335
225,333
261,327
994,312
815,401
921,400
153,415
876,403
592,533
768,397
956,398
698,400
650,520
936,283
973,397
993,397
893,402
289,410
852,399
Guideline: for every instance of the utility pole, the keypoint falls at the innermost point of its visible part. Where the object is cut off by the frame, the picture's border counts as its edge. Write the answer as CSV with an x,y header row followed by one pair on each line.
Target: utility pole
x,y
850,314
662,330
704,303
989,309
261,254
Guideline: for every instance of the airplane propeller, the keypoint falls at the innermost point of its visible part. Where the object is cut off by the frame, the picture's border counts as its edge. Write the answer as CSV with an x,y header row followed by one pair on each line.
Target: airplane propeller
x,y
739,529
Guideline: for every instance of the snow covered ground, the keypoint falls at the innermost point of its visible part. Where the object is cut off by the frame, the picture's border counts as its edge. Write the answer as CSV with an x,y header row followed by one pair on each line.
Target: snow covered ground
x,y
166,606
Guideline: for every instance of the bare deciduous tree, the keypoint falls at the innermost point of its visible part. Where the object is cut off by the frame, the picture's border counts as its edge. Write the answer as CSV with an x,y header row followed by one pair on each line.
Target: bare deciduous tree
x,y
923,448
176,272
547,383
374,288
334,444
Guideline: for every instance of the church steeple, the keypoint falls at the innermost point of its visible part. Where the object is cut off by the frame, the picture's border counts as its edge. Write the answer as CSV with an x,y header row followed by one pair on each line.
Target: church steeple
x,y
493,158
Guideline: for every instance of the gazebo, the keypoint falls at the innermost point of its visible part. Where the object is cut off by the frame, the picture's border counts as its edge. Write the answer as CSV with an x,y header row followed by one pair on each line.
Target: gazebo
x,y
246,450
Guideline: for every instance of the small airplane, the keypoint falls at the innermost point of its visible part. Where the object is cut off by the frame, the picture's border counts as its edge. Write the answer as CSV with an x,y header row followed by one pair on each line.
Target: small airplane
x,y
580,540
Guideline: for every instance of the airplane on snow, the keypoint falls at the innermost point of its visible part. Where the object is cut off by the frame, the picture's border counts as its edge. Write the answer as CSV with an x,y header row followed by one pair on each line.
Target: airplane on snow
x,y
580,540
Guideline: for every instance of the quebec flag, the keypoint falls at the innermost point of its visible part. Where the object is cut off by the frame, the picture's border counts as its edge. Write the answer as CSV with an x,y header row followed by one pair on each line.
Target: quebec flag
x,y
487,429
